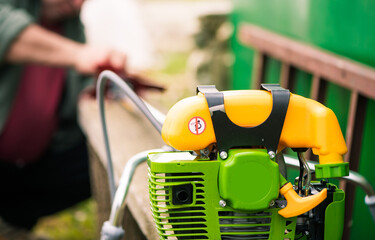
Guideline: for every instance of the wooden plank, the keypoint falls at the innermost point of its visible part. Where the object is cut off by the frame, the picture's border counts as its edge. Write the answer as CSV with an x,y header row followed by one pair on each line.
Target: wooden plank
x,y
129,133
100,192
337,69
356,141
351,122
358,119
99,189
349,129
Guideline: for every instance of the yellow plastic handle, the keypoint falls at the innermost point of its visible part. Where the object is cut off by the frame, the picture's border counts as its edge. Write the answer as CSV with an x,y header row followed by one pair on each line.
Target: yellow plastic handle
x,y
299,205
308,124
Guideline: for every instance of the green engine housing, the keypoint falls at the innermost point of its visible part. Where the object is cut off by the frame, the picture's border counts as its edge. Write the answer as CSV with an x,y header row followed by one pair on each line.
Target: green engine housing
x,y
248,180
193,198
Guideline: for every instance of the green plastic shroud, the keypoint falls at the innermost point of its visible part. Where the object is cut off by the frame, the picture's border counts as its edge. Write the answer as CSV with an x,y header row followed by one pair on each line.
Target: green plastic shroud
x,y
186,193
334,217
239,177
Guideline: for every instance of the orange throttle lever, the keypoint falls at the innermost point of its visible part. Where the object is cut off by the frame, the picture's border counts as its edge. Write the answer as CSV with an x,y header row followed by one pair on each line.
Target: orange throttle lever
x,y
298,205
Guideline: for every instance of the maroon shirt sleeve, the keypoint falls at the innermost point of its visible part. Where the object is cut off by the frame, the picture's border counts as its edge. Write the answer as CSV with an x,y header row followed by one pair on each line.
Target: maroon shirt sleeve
x,y
33,117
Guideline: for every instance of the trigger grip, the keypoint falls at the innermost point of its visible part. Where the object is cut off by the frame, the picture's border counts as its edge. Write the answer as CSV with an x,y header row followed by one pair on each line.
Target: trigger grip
x,y
297,205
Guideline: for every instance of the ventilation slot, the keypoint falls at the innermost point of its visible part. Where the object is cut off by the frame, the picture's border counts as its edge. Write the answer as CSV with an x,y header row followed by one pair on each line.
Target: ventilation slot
x,y
178,205
235,225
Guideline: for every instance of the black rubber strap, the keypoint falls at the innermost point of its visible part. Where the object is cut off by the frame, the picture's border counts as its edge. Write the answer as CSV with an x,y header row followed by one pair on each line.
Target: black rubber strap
x,y
229,135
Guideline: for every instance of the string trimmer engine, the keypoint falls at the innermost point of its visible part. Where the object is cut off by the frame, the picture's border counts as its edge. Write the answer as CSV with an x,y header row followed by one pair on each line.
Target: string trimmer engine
x,y
228,179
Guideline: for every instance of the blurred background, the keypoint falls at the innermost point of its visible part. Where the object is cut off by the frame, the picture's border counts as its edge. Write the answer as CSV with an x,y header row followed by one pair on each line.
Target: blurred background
x,y
182,43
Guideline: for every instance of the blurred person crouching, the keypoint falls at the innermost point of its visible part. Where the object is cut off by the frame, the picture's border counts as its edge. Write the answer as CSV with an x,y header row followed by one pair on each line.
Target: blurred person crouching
x,y
44,65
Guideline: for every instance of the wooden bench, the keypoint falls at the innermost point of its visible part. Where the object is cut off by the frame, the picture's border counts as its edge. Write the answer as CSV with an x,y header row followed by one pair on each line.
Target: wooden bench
x,y
129,133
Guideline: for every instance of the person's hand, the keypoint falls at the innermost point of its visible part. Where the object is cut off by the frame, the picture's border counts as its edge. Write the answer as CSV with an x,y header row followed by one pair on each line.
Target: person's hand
x,y
91,59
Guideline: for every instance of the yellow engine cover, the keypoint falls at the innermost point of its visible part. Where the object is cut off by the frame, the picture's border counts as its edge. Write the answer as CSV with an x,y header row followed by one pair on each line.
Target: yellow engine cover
x,y
308,124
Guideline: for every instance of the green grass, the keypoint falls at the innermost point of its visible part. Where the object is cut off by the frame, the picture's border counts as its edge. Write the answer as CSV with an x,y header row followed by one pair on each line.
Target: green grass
x,y
76,223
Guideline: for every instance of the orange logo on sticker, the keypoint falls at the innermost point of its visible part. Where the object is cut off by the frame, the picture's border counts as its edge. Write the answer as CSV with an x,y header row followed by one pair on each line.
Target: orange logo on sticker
x,y
197,125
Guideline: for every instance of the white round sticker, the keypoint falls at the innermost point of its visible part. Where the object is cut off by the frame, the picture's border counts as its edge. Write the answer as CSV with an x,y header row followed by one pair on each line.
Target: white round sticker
x,y
197,125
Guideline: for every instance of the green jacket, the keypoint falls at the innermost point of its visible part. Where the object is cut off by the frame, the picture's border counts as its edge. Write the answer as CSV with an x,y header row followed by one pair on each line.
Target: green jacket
x,y
15,15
